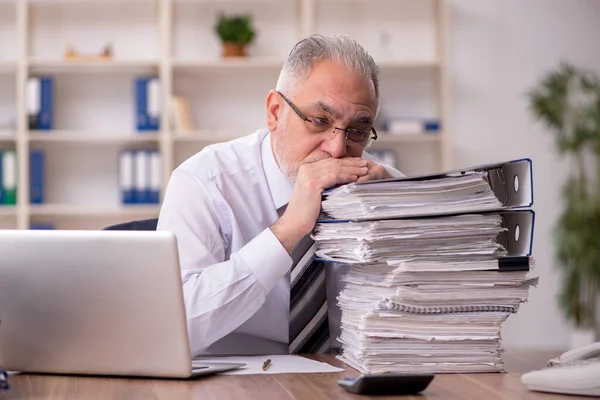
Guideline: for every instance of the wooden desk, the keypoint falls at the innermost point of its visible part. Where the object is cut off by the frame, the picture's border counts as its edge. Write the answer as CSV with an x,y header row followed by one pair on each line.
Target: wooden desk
x,y
285,386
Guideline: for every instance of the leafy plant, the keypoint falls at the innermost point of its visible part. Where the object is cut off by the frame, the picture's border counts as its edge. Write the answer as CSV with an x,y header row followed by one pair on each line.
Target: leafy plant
x,y
568,101
235,29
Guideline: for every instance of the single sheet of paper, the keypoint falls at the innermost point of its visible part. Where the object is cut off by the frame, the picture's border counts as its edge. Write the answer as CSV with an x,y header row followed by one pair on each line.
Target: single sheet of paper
x,y
280,364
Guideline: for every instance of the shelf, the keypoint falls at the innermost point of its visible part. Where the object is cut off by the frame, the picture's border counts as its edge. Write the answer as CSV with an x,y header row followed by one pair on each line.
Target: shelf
x,y
80,2
210,135
111,66
384,137
229,63
93,137
77,210
229,1
7,136
406,64
8,211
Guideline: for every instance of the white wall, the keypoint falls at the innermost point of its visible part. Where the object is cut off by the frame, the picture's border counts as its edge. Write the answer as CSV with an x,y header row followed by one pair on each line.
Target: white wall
x,y
499,49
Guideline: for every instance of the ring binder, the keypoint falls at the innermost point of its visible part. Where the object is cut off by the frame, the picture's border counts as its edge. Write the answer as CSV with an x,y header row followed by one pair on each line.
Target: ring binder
x,y
498,186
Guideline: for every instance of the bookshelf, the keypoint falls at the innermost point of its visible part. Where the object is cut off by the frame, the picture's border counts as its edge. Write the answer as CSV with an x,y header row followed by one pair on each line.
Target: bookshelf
x,y
174,40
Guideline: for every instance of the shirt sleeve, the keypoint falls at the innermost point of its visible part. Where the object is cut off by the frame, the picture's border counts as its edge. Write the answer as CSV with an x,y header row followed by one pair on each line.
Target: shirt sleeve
x,y
220,294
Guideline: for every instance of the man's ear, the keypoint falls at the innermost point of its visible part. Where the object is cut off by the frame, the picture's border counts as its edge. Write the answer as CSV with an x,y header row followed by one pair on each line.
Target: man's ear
x,y
273,110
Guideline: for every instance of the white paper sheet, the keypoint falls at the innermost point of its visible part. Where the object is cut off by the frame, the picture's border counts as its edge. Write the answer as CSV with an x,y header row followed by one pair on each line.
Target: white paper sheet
x,y
280,364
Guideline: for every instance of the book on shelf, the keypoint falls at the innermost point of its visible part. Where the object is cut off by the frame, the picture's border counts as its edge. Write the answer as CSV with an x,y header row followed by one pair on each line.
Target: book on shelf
x,y
435,265
180,114
140,173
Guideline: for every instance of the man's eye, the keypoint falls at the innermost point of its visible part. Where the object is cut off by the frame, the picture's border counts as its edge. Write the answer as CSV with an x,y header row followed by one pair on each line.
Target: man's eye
x,y
320,121
357,135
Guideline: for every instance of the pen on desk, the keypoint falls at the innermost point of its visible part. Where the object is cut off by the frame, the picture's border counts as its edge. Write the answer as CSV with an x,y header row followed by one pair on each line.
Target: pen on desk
x,y
266,364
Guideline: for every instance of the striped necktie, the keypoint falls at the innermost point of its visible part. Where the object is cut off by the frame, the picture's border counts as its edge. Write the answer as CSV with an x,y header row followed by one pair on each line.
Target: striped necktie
x,y
309,322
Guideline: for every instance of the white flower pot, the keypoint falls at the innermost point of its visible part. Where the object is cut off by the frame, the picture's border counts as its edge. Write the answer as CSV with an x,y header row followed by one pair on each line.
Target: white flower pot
x,y
582,337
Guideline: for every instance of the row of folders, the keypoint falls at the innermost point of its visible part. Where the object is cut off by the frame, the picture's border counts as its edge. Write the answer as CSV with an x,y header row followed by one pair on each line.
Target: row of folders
x,y
41,99
9,177
140,173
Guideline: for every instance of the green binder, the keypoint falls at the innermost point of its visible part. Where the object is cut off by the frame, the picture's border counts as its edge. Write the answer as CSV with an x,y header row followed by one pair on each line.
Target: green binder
x,y
9,177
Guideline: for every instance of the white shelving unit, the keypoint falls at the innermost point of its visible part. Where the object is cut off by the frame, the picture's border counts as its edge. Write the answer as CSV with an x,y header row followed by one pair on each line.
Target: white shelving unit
x,y
175,40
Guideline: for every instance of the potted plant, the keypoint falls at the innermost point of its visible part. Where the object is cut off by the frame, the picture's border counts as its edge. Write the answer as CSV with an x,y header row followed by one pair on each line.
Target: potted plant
x,y
236,33
567,100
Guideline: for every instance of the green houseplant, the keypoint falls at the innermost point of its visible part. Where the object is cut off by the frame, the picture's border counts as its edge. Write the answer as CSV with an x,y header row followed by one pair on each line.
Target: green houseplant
x,y
567,100
236,33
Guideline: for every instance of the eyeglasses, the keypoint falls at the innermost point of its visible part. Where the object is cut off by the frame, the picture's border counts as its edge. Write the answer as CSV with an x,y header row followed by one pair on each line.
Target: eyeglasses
x,y
319,125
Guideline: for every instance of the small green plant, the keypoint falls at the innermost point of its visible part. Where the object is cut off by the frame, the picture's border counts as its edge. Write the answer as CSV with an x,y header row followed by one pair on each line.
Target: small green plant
x,y
567,100
235,29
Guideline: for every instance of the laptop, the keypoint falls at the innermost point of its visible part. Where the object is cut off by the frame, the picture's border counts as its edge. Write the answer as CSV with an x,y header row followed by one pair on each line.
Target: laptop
x,y
94,303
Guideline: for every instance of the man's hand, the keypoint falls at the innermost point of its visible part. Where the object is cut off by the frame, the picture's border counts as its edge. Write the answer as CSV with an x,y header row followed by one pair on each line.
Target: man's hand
x,y
376,172
305,205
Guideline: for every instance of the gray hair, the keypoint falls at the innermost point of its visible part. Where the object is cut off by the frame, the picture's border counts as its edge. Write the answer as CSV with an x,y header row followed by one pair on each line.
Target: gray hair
x,y
343,50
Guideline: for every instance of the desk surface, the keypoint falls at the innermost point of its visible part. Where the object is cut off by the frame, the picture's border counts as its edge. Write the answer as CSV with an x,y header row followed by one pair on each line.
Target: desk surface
x,y
283,386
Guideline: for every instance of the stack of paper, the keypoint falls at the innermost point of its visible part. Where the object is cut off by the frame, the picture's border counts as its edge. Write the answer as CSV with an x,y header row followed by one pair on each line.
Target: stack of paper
x,y
470,190
426,293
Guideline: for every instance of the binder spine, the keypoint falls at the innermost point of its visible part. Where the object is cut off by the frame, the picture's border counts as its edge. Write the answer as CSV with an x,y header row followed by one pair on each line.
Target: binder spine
x,y
155,177
46,120
390,305
1,180
512,183
126,177
141,104
9,178
36,177
154,106
141,183
33,102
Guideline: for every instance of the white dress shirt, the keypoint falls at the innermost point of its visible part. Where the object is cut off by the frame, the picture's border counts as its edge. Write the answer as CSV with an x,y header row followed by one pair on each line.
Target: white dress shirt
x,y
219,204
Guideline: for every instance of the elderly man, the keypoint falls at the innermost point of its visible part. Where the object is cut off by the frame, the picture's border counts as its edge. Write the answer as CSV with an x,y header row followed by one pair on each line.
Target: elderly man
x,y
240,209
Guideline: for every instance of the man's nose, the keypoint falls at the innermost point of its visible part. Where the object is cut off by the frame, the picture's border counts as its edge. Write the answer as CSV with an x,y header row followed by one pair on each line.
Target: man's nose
x,y
335,145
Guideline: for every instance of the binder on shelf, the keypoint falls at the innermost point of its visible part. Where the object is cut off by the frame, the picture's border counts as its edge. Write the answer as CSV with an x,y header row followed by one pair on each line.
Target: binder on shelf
x,y
40,103
9,177
147,103
126,171
141,182
1,180
36,176
155,180
41,226
401,126
486,187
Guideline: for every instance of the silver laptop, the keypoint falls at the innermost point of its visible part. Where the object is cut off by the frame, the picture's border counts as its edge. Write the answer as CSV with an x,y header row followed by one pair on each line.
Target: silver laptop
x,y
94,302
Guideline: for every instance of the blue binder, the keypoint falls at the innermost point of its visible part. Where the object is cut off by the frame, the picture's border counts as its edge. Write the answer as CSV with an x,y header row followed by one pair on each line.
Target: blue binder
x,y
126,173
46,117
144,121
1,180
36,176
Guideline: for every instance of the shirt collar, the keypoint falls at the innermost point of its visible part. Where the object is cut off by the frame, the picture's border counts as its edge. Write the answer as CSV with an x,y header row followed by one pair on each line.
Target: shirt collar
x,y
280,187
